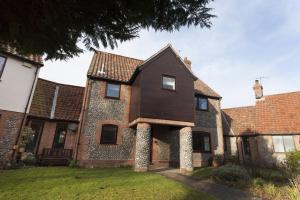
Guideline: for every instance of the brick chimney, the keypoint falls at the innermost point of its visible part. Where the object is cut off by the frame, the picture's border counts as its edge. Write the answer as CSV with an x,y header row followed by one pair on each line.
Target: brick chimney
x,y
188,63
258,90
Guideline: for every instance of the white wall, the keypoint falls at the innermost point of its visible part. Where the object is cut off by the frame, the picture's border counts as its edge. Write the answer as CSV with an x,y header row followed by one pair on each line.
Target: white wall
x,y
15,85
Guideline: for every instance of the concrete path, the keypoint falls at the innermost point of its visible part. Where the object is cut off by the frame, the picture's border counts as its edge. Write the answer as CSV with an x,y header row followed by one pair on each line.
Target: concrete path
x,y
208,186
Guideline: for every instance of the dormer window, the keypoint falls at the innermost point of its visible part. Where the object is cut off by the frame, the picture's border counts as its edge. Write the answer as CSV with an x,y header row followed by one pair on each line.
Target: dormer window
x,y
201,103
112,90
168,82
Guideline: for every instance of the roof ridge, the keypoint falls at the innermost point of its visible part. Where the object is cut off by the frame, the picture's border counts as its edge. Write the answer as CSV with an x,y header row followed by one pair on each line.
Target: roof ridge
x,y
283,93
238,107
60,83
98,51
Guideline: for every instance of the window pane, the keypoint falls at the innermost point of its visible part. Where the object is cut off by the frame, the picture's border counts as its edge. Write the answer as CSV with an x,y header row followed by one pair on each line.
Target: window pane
x,y
113,90
203,103
169,83
2,61
278,144
109,134
288,143
206,143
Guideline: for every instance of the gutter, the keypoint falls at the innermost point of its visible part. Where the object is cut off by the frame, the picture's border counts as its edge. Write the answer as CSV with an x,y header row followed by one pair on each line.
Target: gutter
x,y
25,112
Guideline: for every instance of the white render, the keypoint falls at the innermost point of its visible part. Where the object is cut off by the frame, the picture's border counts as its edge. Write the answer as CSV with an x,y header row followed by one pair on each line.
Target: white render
x,y
15,84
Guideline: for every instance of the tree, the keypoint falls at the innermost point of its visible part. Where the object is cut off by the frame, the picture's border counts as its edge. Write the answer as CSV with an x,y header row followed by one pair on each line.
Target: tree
x,y
54,27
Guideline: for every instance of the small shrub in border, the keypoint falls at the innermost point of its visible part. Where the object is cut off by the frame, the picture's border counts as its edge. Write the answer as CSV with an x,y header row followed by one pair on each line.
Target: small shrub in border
x,y
231,173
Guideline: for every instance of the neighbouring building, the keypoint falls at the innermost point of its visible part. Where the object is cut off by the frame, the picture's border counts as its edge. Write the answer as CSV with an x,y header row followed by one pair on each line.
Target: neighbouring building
x,y
148,114
263,133
18,75
54,119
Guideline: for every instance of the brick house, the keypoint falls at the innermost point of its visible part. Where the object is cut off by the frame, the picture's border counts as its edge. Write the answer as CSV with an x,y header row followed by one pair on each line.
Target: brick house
x,y
54,118
148,114
263,133
18,75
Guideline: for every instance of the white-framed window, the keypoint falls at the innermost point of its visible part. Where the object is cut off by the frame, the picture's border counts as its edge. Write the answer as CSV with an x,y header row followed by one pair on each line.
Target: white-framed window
x,y
2,64
283,143
168,82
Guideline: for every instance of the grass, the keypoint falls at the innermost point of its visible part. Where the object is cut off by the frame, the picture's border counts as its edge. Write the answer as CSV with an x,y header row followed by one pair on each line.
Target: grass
x,y
86,184
203,173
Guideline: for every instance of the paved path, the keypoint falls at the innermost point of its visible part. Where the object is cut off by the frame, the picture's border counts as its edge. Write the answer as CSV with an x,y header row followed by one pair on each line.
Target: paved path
x,y
208,186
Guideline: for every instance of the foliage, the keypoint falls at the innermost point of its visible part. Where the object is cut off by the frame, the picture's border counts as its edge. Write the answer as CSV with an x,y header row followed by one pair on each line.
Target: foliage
x,y
55,27
26,135
28,158
203,172
268,174
231,173
218,157
73,164
292,167
232,159
76,183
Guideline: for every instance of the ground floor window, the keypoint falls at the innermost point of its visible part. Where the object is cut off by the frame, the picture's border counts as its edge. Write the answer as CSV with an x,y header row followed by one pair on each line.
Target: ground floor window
x,y
60,135
283,143
246,146
201,142
37,128
109,134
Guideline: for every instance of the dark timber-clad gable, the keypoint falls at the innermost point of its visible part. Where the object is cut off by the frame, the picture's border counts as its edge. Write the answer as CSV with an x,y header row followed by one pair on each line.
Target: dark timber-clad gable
x,y
150,100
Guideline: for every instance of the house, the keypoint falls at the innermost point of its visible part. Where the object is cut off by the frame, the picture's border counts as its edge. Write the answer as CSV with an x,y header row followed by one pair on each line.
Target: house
x,y
148,114
54,118
18,75
262,134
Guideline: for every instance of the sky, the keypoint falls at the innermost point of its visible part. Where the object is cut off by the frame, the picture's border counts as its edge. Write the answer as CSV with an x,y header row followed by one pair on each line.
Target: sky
x,y
248,40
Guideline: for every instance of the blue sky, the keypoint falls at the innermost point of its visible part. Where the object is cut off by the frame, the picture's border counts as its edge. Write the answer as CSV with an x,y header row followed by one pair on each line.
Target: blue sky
x,y
248,39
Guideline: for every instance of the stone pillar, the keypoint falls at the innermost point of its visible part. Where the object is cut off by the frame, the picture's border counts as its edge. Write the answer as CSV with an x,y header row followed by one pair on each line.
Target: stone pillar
x,y
142,147
186,149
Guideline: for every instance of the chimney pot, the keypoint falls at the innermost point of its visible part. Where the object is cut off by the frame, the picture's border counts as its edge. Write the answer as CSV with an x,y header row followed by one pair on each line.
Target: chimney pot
x,y
258,90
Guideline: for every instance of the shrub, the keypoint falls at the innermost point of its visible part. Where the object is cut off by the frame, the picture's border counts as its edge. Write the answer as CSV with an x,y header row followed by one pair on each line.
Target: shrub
x,y
73,164
232,159
231,173
274,175
28,159
292,166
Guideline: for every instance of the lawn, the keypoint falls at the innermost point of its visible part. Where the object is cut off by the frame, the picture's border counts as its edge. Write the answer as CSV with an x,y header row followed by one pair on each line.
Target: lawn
x,y
66,183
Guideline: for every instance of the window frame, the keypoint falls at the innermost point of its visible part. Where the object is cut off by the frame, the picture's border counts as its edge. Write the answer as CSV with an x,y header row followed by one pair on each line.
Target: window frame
x,y
197,106
4,64
106,90
162,82
284,145
203,135
116,134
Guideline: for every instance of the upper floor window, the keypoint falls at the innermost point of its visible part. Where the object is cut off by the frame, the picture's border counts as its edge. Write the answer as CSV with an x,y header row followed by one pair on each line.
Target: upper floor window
x,y
168,82
112,90
201,142
2,64
201,103
283,143
109,134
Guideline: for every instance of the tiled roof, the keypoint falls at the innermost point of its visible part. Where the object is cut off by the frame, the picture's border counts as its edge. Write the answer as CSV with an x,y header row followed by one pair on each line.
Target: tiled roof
x,y
278,113
202,88
121,68
115,67
238,121
37,59
68,102
273,114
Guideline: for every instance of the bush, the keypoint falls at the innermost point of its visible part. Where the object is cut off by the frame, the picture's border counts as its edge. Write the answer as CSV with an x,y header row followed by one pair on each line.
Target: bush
x,y
232,159
73,164
292,166
231,173
274,175
28,159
